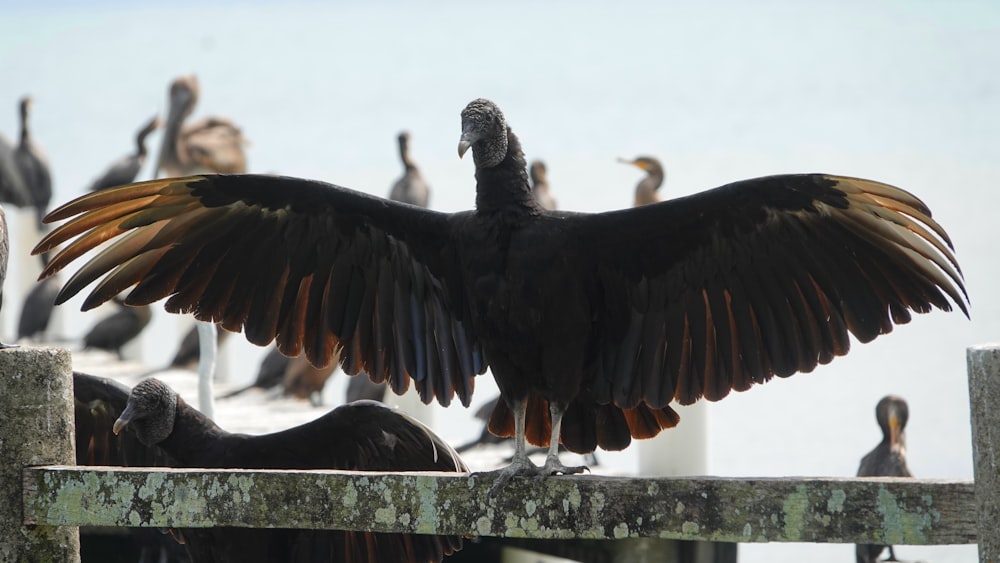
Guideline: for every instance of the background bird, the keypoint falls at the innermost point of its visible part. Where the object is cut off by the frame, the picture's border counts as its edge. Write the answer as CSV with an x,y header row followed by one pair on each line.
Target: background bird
x,y
33,164
125,169
592,324
38,304
211,144
411,188
646,191
888,459
540,185
118,329
361,436
12,187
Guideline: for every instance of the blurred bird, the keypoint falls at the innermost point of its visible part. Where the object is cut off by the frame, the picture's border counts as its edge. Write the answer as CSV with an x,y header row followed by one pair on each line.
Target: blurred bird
x,y
646,190
12,187
211,144
125,169
888,459
33,165
411,188
540,185
360,387
118,329
4,255
36,310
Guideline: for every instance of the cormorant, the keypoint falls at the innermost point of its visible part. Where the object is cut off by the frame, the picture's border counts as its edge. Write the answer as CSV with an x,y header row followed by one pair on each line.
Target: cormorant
x,y
888,459
33,165
646,190
125,169
411,188
119,328
540,185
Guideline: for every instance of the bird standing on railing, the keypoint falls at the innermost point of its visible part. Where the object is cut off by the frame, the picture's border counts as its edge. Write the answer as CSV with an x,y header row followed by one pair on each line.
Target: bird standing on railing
x,y
888,459
592,324
361,436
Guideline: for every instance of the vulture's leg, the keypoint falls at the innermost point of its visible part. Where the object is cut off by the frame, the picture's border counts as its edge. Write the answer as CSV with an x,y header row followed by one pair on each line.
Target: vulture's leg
x,y
520,464
552,464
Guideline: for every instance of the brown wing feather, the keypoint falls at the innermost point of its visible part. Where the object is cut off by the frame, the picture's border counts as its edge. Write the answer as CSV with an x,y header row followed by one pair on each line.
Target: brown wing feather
x,y
759,278
306,263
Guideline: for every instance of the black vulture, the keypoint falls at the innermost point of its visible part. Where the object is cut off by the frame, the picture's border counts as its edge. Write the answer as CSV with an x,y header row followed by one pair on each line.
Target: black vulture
x,y
411,188
888,459
125,169
12,187
36,310
360,436
592,324
119,328
646,190
211,144
98,402
33,165
540,185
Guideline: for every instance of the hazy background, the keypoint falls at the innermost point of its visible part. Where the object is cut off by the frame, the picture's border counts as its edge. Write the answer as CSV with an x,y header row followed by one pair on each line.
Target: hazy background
x,y
903,92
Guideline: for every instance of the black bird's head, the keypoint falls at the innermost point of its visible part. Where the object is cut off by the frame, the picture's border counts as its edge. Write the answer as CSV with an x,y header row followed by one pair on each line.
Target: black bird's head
x,y
538,172
892,413
484,129
150,411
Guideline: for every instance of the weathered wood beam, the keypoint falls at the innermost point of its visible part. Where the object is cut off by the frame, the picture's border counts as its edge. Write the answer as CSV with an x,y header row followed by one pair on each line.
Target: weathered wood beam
x,y
871,510
36,427
984,398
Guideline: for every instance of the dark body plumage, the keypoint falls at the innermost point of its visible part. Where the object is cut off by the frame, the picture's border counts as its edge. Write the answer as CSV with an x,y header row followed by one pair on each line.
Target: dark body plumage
x,y
12,188
297,376
362,436
411,188
36,310
189,350
888,459
125,169
33,165
118,329
602,318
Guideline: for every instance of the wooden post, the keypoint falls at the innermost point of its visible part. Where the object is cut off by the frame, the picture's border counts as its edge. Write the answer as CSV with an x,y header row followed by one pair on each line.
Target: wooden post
x,y
984,398
36,428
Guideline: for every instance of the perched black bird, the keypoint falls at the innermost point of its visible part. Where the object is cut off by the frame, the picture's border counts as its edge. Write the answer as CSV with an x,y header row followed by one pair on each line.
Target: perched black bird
x,y
118,329
98,402
411,188
189,350
270,373
125,169
361,436
33,165
888,459
540,185
592,324
646,190
36,310
12,187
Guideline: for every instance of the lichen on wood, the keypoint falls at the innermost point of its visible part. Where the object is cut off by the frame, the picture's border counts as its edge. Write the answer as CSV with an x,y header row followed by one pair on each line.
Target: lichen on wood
x,y
871,510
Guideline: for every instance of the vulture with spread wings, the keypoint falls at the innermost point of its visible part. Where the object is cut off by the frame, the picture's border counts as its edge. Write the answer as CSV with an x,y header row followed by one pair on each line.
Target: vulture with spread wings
x,y
592,324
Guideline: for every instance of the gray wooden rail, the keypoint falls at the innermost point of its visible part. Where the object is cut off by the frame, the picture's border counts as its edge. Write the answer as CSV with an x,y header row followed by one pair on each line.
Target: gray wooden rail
x,y
58,497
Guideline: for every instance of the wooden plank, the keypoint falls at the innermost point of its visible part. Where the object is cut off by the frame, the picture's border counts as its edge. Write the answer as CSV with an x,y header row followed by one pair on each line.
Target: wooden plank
x,y
984,396
870,510
36,427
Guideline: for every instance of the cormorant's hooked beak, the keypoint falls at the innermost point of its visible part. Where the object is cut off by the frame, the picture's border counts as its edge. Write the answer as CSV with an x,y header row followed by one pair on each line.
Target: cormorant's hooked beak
x,y
124,419
635,163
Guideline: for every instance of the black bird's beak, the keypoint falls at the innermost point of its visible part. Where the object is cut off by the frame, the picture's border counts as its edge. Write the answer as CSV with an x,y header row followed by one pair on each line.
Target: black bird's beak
x,y
124,419
468,137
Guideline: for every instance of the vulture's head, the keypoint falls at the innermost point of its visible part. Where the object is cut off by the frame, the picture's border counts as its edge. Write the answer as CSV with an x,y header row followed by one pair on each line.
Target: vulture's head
x,y
484,129
150,412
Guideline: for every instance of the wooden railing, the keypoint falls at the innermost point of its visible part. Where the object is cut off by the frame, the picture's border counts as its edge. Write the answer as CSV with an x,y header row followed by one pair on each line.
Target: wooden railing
x,y
37,474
